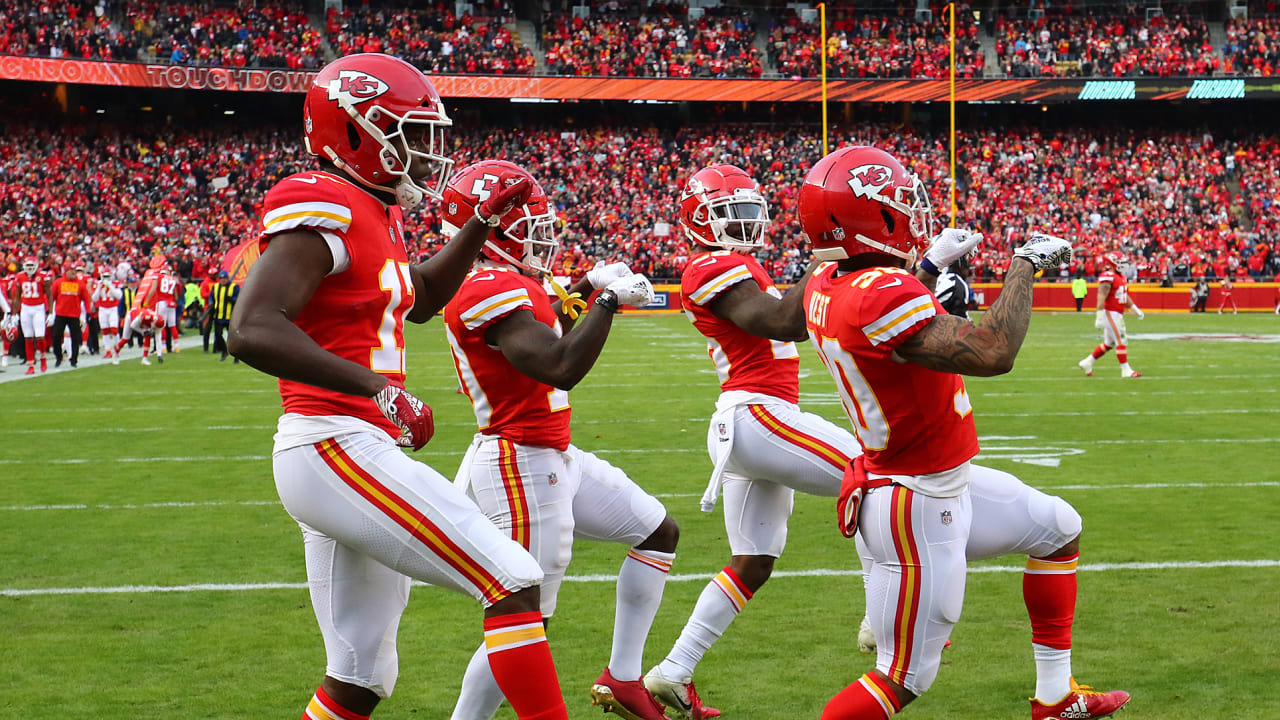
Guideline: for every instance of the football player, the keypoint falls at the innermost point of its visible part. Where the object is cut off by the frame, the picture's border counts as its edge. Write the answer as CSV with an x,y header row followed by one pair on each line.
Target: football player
x,y
106,298
913,495
167,304
517,354
762,446
1113,300
148,326
8,323
323,310
31,296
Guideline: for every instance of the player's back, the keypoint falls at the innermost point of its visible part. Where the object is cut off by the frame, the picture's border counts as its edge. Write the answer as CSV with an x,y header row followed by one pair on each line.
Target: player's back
x,y
1118,298
357,311
506,402
743,361
910,420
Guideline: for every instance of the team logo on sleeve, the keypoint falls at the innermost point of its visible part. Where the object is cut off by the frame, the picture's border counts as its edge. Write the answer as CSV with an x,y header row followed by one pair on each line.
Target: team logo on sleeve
x,y
870,180
355,87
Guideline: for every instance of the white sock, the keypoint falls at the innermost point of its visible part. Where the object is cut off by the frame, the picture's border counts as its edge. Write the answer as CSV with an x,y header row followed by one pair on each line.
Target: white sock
x,y
720,602
480,697
1053,673
1124,367
640,584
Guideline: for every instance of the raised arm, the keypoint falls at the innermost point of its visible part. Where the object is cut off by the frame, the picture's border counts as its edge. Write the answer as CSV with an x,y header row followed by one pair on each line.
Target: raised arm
x,y
762,314
262,331
953,344
437,280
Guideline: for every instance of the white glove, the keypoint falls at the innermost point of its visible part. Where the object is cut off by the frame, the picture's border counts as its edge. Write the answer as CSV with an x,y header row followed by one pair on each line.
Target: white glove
x,y
1138,310
950,245
1100,320
603,274
1044,251
48,321
634,290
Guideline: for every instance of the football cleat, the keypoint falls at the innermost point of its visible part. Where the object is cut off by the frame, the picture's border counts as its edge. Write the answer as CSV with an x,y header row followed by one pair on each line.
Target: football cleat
x,y
1082,703
31,370
44,364
146,361
1130,373
628,699
115,359
1087,366
680,697
866,638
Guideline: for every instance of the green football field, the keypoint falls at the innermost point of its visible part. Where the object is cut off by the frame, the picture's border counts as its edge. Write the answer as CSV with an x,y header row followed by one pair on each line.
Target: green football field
x,y
148,571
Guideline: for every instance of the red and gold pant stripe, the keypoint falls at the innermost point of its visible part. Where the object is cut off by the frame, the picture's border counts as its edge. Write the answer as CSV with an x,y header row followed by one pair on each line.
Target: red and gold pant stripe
x,y
904,543
517,499
409,518
818,447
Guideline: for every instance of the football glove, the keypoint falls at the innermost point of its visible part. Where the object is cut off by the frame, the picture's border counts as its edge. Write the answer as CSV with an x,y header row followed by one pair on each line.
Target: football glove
x,y
1044,251
48,321
1100,320
604,273
502,200
410,414
634,290
1138,310
950,245
852,487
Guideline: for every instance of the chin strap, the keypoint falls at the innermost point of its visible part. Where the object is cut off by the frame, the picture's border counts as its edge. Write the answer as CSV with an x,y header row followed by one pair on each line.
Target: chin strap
x,y
571,303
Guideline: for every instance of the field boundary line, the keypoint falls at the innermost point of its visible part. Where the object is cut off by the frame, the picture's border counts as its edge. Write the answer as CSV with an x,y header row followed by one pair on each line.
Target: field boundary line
x,y
688,577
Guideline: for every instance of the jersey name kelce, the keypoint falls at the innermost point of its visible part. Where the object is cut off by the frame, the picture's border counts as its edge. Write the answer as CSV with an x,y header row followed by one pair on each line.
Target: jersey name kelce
x,y
507,403
743,361
910,420
1118,299
357,311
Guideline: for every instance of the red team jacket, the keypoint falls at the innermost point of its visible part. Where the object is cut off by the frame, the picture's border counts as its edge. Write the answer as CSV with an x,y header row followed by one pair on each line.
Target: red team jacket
x,y
507,403
910,420
743,361
356,313
69,296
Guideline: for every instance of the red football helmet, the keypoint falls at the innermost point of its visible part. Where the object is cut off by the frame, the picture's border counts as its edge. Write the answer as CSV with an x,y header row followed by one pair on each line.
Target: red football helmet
x,y
526,235
861,200
9,329
1115,260
357,115
30,264
721,207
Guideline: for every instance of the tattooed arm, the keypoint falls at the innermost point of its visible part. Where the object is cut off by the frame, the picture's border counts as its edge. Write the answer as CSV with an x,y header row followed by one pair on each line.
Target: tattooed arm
x,y
953,344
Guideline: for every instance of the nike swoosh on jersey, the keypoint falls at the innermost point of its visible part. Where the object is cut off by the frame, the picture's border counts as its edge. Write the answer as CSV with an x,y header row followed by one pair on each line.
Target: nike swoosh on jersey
x,y
478,278
310,179
896,281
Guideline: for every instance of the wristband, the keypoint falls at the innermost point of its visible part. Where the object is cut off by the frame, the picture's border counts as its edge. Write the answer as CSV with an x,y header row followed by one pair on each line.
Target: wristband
x,y
927,265
607,300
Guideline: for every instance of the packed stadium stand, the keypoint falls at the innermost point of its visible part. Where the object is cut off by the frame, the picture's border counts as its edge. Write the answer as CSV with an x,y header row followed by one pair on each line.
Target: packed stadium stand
x,y
893,39
1167,199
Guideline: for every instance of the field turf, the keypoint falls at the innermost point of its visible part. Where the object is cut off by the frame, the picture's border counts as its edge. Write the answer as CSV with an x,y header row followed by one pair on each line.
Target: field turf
x,y
148,571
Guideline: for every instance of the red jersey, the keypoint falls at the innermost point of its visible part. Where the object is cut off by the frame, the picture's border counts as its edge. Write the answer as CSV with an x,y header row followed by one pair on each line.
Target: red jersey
x,y
1118,299
910,420
743,361
357,311
144,298
31,288
167,289
507,403
105,292
69,296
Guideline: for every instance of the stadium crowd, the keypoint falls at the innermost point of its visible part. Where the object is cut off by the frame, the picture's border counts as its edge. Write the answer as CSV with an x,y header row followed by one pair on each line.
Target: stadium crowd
x,y
664,43
876,46
111,192
656,40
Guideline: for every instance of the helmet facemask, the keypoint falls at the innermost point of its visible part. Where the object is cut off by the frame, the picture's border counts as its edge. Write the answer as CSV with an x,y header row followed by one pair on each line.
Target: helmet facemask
x,y
397,154
738,221
30,266
536,232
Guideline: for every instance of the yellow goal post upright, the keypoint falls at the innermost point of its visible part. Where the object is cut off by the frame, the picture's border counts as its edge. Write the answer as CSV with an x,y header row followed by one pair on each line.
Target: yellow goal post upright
x,y
822,50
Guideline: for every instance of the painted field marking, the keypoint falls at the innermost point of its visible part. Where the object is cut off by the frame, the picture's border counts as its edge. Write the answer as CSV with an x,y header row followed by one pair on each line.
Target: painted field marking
x,y
604,578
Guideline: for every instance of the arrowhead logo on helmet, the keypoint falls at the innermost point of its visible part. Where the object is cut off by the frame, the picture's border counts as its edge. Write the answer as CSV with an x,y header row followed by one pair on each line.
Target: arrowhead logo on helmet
x,y
869,181
356,86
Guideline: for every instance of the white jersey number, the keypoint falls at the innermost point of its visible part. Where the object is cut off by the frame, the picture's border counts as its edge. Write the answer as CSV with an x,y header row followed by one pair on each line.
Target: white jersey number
x,y
388,356
860,402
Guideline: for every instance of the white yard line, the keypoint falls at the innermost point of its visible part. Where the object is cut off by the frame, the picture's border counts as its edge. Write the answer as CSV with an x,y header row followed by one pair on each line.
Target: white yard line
x,y
603,578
